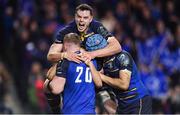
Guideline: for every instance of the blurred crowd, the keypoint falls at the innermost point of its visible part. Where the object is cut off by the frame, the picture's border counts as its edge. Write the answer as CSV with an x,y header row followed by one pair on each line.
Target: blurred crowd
x,y
148,29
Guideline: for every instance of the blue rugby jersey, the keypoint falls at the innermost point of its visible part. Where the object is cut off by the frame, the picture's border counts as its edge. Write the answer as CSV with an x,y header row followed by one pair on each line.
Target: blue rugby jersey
x,y
112,66
79,90
95,27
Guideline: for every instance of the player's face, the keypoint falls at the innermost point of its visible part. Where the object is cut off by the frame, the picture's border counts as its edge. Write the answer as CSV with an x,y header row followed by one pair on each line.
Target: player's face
x,y
83,19
69,46
66,46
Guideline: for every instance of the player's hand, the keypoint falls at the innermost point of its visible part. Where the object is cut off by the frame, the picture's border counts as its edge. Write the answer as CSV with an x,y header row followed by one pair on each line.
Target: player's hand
x,y
84,58
101,71
101,75
87,61
88,55
72,57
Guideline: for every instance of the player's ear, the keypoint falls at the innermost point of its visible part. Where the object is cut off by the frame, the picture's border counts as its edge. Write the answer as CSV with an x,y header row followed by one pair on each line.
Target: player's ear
x,y
64,47
91,18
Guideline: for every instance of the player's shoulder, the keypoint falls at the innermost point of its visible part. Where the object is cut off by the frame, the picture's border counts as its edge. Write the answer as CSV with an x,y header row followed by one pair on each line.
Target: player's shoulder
x,y
61,32
95,23
123,54
124,57
71,25
63,63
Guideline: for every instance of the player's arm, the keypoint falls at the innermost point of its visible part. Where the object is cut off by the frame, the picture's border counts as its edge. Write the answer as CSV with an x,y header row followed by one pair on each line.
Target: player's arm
x,y
54,100
54,54
95,74
121,83
53,87
57,84
125,64
113,47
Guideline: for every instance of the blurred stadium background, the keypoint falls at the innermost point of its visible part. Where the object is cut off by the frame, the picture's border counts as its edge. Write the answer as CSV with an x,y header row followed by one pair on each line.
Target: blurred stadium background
x,y
148,29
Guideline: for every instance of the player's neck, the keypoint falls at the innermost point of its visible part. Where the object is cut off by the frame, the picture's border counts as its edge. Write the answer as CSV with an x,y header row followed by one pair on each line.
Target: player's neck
x,y
84,32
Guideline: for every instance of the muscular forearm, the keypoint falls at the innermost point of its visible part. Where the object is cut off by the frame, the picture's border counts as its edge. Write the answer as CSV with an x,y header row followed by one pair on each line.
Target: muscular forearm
x,y
113,47
115,82
54,53
95,75
54,57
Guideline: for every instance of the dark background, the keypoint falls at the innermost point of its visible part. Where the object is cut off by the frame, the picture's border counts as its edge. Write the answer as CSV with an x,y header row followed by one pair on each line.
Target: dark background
x,y
148,29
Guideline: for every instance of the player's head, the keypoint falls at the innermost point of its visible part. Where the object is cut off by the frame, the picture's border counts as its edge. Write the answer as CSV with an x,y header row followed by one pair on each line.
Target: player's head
x,y
71,42
95,42
83,17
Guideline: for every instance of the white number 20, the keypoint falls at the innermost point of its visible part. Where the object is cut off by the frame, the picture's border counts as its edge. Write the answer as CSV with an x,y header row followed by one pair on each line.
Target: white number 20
x,y
88,76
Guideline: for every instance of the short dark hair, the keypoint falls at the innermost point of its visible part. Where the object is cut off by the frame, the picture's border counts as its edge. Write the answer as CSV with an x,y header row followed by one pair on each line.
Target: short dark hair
x,y
72,38
84,7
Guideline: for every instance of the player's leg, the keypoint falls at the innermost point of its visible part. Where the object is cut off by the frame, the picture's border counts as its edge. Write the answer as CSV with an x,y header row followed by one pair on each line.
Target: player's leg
x,y
141,106
108,102
146,105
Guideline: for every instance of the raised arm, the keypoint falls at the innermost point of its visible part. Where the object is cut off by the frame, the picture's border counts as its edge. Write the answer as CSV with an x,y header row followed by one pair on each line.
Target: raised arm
x,y
113,47
55,54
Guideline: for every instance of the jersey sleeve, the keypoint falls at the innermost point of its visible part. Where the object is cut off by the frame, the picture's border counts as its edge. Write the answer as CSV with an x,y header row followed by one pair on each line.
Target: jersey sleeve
x,y
59,35
62,68
99,64
98,28
124,61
